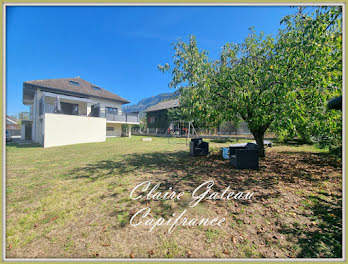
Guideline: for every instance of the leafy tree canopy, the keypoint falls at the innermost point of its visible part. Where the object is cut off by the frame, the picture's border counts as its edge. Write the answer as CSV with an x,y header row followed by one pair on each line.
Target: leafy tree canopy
x,y
280,83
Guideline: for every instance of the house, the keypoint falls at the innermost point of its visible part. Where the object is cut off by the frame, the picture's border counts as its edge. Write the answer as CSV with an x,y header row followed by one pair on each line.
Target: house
x,y
157,115
72,110
11,123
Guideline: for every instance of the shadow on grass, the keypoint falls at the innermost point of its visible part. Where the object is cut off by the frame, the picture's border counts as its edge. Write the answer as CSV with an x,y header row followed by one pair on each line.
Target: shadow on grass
x,y
293,142
23,145
297,166
100,170
222,140
184,173
321,159
325,239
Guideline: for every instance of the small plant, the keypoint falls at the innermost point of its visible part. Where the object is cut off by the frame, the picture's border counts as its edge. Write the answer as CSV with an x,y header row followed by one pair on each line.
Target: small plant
x,y
123,219
171,248
212,234
69,244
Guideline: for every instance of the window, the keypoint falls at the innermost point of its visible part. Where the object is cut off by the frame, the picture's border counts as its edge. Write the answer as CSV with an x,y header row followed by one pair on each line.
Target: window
x,y
95,110
152,119
109,128
69,109
41,106
111,110
96,88
74,83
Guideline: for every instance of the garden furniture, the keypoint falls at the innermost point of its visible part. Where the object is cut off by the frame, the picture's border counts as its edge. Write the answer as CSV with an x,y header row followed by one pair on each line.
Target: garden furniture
x,y
198,147
244,156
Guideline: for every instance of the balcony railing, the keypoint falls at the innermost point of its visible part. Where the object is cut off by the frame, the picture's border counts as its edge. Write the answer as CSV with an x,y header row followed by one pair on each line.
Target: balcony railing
x,y
127,118
124,118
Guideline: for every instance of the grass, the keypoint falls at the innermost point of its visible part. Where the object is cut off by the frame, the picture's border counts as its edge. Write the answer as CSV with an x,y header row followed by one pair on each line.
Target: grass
x,y
212,234
73,201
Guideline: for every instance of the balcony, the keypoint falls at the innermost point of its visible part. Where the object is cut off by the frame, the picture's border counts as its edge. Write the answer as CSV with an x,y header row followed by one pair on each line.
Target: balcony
x,y
123,118
69,105
63,104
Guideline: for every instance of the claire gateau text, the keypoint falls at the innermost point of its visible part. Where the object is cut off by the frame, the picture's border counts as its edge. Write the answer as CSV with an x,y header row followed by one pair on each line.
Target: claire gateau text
x,y
148,191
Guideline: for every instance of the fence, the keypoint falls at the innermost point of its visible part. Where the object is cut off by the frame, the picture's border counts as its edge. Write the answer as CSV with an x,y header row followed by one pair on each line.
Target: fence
x,y
14,132
148,131
241,132
197,131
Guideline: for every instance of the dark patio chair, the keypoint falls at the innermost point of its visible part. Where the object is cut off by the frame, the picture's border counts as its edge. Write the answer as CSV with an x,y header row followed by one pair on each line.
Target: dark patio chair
x,y
198,147
245,157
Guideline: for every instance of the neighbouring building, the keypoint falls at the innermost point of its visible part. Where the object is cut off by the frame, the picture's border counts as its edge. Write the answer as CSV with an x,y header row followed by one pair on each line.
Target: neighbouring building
x,y
72,110
11,123
157,118
157,115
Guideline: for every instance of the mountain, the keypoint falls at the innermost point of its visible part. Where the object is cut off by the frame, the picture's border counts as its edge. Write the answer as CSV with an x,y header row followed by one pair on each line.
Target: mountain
x,y
147,102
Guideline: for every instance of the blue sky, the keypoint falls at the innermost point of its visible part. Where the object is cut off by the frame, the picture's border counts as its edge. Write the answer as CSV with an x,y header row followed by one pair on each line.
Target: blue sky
x,y
118,48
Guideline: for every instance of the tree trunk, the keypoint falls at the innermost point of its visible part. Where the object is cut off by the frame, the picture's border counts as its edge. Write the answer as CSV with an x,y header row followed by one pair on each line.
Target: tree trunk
x,y
259,136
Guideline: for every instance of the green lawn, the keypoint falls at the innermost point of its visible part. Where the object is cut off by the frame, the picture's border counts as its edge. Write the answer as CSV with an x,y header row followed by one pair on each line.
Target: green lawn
x,y
73,201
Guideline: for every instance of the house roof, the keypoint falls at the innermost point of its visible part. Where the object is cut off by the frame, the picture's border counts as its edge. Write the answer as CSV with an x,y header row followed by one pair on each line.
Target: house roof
x,y
11,119
83,88
163,105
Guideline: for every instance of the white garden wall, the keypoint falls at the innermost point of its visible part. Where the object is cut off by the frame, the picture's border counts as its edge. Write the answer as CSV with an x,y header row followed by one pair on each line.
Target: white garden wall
x,y
62,130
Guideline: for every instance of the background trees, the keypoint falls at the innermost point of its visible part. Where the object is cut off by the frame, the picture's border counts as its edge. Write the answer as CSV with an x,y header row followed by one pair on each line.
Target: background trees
x,y
281,83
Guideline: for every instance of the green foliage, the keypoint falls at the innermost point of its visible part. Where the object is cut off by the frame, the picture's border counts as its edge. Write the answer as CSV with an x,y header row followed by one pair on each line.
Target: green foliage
x,y
229,126
240,85
175,114
143,122
282,84
310,49
191,72
250,81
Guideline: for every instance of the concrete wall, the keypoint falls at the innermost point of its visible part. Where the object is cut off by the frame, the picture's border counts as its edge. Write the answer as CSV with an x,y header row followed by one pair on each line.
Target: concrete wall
x,y
23,132
117,130
62,130
37,129
36,133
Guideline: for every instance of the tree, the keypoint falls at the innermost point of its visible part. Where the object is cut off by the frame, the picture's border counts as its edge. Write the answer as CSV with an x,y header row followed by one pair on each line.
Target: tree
x,y
283,84
241,85
251,82
191,73
310,48
175,114
20,117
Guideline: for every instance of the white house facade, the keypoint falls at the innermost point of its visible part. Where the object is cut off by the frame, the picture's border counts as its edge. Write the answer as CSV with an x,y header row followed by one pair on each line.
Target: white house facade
x,y
71,111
